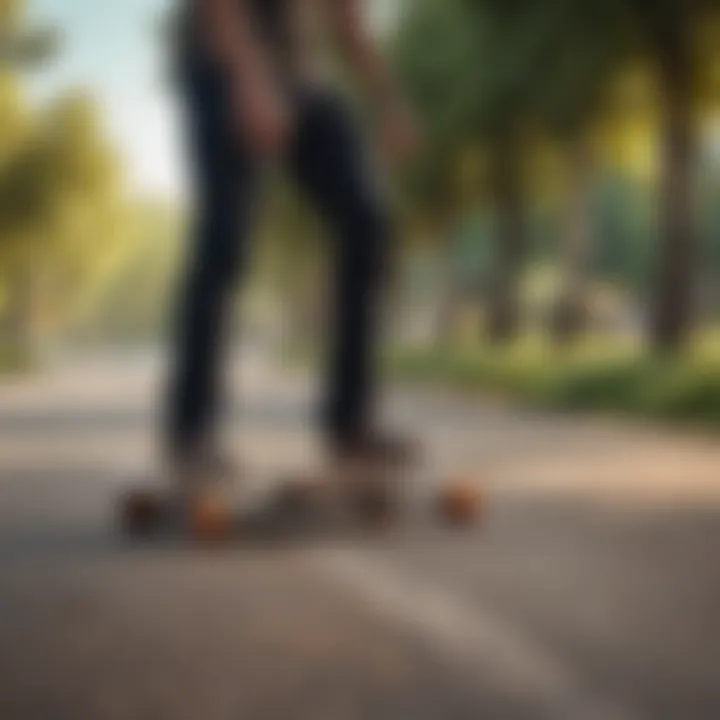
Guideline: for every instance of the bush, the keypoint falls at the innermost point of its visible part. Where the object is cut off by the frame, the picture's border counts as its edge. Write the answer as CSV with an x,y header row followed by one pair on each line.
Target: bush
x,y
595,377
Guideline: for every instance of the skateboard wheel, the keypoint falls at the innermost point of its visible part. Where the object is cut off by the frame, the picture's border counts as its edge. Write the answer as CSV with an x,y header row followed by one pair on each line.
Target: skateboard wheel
x,y
460,503
209,520
140,512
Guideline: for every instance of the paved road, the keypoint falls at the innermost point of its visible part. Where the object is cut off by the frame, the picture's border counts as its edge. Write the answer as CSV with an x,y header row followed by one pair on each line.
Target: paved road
x,y
590,591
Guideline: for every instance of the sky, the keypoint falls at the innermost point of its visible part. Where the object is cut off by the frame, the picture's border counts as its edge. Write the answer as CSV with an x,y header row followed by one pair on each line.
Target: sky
x,y
113,47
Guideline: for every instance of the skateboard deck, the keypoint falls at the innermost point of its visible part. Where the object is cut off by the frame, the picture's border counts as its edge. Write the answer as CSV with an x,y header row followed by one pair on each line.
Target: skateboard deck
x,y
295,505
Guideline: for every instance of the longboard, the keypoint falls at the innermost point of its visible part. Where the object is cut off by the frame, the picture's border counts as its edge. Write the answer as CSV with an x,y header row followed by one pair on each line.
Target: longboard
x,y
296,504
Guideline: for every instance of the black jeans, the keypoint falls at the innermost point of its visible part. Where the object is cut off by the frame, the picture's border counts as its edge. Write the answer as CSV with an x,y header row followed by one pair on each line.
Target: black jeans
x,y
328,160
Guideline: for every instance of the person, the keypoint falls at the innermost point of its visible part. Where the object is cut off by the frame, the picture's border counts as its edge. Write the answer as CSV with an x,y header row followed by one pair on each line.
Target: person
x,y
253,99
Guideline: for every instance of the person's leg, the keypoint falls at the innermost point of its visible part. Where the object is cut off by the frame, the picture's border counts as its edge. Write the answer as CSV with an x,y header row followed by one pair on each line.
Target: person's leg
x,y
225,183
330,162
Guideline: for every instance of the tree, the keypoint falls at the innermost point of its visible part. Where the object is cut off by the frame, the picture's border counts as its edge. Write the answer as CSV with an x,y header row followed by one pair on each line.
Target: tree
x,y
472,90
440,84
502,74
20,46
570,92
670,33
60,217
61,203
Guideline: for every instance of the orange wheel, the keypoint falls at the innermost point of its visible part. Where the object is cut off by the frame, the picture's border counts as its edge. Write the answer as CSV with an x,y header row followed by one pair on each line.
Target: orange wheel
x,y
210,519
140,512
461,502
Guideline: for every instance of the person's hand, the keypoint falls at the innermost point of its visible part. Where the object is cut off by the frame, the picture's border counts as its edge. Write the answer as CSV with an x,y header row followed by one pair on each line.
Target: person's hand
x,y
261,116
399,135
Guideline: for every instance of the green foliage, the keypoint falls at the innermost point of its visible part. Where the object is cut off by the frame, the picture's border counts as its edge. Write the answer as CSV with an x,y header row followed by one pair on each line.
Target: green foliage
x,y
436,51
598,377
132,302
21,47
61,206
506,84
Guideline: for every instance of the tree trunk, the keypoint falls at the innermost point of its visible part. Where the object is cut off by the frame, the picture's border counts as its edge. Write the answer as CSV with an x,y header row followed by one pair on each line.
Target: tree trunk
x,y
570,313
511,240
672,311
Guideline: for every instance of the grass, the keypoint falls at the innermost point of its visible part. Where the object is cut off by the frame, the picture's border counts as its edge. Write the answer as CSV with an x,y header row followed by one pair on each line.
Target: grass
x,y
597,376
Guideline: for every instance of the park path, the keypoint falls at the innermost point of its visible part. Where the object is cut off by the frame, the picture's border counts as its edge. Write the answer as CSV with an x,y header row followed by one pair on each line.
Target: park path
x,y
590,591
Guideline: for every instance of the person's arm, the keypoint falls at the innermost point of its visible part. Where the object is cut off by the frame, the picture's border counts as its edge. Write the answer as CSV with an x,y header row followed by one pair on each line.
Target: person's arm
x,y
356,41
229,35
347,20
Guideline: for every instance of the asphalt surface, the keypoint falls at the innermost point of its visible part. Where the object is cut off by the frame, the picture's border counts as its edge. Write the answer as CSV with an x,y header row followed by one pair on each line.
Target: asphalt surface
x,y
590,590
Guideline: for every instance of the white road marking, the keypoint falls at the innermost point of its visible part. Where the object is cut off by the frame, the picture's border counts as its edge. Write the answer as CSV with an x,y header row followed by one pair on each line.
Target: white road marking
x,y
505,657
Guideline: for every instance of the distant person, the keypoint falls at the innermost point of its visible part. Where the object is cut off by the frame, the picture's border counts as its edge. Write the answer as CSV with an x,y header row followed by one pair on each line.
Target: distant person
x,y
252,98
